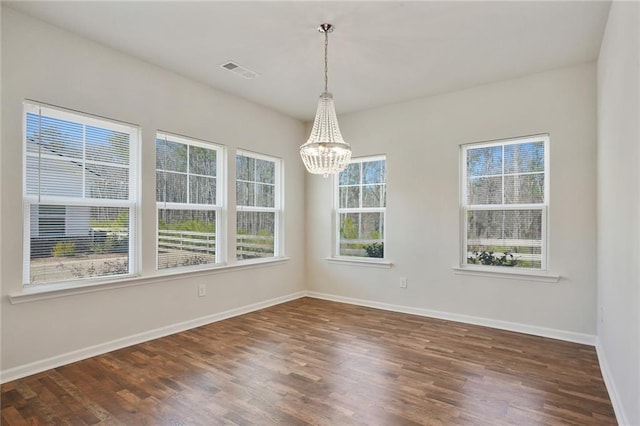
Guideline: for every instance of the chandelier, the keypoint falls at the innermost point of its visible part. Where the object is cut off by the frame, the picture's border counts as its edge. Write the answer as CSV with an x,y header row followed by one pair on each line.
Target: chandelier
x,y
325,152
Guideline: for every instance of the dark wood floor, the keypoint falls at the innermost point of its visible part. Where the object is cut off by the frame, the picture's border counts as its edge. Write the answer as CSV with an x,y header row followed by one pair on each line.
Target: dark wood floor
x,y
317,362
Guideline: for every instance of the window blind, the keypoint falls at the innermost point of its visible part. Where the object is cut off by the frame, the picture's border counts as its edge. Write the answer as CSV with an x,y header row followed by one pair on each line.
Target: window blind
x,y
188,202
79,195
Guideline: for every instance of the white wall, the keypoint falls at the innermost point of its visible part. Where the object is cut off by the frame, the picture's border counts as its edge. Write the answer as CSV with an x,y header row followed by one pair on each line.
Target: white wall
x,y
619,209
44,63
421,139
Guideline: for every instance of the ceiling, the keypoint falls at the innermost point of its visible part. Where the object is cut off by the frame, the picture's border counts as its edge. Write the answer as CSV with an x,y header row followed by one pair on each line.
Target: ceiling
x,y
380,52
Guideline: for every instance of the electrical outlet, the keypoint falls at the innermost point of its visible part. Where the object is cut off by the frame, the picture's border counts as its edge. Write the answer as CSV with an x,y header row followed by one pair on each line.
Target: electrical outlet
x,y
601,314
403,282
202,290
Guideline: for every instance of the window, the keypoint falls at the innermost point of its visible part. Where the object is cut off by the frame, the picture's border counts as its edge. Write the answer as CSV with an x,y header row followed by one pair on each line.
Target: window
x,y
189,202
361,194
258,200
79,192
505,189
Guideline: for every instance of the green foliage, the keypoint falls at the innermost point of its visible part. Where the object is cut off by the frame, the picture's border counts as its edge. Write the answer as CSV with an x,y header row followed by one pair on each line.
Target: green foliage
x,y
375,250
264,233
348,231
491,258
529,264
108,234
120,221
63,249
262,243
103,243
194,225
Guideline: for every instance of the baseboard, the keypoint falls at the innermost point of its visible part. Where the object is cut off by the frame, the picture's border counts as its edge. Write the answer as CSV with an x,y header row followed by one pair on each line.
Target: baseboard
x,y
585,339
614,396
67,358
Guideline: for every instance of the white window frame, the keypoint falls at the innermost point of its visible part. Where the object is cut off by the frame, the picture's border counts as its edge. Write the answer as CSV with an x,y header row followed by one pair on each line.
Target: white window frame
x,y
543,207
132,203
277,209
338,211
218,207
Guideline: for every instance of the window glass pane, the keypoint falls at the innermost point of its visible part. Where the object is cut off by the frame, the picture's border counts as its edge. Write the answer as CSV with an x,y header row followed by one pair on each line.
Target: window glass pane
x,y
202,190
255,182
373,196
32,132
44,209
350,175
107,145
245,168
265,196
265,171
245,194
383,189
171,156
373,171
484,190
202,161
55,177
51,220
524,157
161,180
176,188
197,185
524,189
513,237
53,136
361,234
62,156
371,226
186,238
106,182
161,154
255,235
349,197
484,161
94,243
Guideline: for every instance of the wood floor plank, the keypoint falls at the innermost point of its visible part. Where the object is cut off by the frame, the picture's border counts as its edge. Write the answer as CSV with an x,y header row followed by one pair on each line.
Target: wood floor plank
x,y
323,363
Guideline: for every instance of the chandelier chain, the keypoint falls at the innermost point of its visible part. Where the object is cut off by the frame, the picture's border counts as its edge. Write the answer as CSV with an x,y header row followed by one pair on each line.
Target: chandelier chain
x,y
326,66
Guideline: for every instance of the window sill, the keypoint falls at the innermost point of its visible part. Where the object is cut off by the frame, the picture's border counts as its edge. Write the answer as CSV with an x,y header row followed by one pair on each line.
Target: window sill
x,y
508,274
360,262
247,263
50,291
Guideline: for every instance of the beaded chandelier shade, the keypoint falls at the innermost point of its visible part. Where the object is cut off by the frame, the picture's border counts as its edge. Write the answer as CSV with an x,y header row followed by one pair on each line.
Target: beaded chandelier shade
x,y
325,152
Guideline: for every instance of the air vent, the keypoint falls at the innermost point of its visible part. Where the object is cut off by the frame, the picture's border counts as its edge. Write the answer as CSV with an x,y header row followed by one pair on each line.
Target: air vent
x,y
240,70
